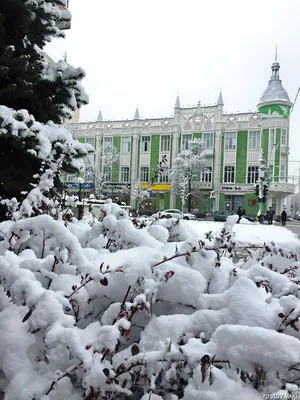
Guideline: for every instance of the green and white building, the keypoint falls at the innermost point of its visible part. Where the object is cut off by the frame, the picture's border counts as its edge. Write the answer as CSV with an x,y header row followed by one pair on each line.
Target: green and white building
x,y
233,145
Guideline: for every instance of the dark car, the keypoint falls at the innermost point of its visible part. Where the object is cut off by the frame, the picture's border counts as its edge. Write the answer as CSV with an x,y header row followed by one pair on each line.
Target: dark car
x,y
248,218
221,216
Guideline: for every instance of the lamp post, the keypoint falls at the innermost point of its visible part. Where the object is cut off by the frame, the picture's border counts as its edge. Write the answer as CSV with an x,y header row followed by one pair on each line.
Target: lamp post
x,y
80,182
80,206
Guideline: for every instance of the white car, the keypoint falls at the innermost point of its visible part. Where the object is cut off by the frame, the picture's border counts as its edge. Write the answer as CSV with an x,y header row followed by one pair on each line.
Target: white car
x,y
173,213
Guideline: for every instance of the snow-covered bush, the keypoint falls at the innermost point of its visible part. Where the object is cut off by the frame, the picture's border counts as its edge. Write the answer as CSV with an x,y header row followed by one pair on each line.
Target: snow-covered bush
x,y
52,145
118,311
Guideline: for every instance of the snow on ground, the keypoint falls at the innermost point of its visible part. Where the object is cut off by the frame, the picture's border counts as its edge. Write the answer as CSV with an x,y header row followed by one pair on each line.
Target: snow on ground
x,y
251,233
120,298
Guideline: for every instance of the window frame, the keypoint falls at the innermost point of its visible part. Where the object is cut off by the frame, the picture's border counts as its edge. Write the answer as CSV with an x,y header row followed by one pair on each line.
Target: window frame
x,y
162,148
206,174
185,141
285,136
252,174
257,144
143,143
128,142
282,176
272,132
209,139
122,174
88,139
109,174
145,168
233,145
164,177
226,174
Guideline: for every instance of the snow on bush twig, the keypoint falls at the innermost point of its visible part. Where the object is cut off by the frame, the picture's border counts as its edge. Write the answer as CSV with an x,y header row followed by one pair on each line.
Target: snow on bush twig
x,y
118,312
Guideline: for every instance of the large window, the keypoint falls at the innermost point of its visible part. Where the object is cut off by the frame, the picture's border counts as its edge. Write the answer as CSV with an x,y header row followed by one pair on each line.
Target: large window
x,y
144,174
125,145
107,174
124,174
252,174
208,140
206,175
186,141
165,143
282,172
145,146
90,140
272,138
229,174
164,176
254,140
230,140
284,137
271,172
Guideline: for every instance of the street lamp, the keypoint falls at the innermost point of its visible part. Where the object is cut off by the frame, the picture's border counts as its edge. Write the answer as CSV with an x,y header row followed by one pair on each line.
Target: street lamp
x,y
80,182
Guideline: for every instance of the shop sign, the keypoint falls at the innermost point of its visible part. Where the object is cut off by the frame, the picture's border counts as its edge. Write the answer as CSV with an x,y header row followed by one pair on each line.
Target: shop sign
x,y
237,188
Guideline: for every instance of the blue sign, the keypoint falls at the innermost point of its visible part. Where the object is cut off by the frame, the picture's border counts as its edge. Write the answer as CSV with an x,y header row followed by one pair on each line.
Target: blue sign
x,y
75,185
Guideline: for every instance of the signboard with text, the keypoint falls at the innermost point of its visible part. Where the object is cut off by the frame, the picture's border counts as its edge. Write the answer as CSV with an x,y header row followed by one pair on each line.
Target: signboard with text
x,y
237,188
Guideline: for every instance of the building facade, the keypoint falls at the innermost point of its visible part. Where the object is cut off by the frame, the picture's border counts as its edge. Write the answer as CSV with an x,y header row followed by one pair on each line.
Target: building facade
x,y
233,146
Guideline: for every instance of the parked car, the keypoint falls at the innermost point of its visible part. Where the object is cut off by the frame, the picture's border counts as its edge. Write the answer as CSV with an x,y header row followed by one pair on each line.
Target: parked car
x,y
221,216
173,213
248,218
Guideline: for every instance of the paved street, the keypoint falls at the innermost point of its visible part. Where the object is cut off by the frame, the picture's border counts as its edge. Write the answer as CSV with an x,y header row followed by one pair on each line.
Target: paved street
x,y
294,227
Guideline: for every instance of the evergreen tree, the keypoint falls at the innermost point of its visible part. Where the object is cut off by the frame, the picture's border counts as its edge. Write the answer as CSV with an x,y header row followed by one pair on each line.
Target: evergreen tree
x,y
48,90
30,81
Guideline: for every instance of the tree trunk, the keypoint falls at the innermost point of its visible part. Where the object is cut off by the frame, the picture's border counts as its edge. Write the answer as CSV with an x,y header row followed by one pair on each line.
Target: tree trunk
x,y
190,196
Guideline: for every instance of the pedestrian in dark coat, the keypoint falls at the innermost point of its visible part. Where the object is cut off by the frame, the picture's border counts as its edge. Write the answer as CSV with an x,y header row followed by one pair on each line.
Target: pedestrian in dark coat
x,y
283,218
240,214
270,215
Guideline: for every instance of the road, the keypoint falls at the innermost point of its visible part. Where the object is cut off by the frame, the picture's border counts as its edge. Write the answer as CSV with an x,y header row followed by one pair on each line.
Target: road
x,y
294,226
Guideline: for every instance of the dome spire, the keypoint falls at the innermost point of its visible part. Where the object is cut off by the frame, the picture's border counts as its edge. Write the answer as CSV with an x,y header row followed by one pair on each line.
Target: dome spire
x,y
220,99
177,103
137,114
275,93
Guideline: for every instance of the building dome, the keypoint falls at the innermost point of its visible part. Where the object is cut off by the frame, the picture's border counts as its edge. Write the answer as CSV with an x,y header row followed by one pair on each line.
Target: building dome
x,y
275,93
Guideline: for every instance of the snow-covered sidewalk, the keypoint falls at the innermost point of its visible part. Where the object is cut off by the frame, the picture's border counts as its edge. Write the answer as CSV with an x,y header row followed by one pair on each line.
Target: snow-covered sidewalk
x,y
251,233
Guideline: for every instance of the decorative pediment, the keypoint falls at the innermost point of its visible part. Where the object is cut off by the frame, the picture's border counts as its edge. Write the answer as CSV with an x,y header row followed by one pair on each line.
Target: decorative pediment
x,y
187,126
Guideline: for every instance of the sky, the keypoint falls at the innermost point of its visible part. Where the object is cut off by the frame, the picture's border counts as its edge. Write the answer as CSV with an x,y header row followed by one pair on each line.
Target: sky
x,y
141,53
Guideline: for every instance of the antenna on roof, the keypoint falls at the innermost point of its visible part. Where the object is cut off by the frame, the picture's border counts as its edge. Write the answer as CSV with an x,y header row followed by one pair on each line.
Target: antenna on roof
x,y
276,53
295,99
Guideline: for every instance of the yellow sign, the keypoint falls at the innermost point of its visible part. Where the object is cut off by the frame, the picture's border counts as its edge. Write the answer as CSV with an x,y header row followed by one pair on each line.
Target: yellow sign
x,y
158,187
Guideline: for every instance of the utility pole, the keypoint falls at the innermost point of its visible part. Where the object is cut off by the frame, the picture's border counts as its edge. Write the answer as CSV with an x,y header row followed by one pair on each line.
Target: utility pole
x,y
261,187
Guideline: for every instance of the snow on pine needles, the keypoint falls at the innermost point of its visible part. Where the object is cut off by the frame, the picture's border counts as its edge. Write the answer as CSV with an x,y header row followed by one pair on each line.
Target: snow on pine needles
x,y
133,309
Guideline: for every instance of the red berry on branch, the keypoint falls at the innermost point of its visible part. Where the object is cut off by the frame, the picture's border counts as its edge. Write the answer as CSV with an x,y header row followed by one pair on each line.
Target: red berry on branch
x,y
126,332
88,347
281,315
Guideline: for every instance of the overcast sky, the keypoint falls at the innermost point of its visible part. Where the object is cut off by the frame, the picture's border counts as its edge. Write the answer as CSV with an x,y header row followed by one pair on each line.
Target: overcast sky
x,y
142,53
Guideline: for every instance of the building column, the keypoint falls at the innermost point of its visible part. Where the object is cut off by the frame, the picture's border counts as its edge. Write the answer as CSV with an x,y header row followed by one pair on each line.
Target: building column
x,y
217,168
134,166
176,136
269,201
98,152
279,206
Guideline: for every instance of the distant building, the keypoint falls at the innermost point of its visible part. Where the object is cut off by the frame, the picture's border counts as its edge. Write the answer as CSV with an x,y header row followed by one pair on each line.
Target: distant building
x,y
233,144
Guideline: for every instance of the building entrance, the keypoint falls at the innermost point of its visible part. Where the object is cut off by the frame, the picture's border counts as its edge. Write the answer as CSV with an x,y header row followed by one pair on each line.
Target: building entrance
x,y
233,202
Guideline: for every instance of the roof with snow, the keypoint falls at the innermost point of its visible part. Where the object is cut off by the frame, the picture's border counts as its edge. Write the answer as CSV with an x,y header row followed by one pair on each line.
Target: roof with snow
x,y
275,91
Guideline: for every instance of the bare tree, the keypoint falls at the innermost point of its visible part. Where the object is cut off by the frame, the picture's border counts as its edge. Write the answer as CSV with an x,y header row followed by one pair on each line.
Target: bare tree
x,y
187,168
99,178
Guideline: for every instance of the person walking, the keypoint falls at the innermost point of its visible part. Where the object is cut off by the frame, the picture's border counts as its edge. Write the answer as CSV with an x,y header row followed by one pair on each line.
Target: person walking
x,y
283,218
240,214
270,215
